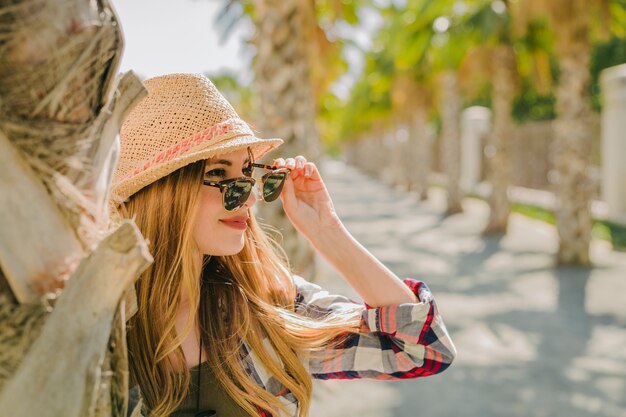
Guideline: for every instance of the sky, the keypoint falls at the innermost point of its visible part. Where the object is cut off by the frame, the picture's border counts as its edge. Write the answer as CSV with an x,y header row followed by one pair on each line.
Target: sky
x,y
168,36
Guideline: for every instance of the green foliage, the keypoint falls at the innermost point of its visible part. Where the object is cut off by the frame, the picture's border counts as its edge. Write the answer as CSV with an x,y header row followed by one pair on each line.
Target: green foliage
x,y
237,93
530,105
602,229
370,97
534,212
415,42
611,231
329,11
232,14
487,24
420,38
329,121
605,55
481,98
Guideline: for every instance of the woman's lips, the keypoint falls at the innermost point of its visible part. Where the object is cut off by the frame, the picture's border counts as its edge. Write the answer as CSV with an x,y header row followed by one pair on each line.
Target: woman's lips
x,y
235,224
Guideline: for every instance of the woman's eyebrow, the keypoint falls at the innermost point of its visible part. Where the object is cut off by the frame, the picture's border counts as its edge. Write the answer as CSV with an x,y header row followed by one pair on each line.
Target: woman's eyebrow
x,y
224,162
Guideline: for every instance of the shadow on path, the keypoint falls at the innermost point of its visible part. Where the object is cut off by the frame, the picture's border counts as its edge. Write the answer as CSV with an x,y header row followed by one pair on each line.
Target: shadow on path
x,y
533,340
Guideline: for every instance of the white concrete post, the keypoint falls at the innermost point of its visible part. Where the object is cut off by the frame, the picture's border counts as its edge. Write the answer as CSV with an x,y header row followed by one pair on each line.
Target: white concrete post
x,y
475,124
613,84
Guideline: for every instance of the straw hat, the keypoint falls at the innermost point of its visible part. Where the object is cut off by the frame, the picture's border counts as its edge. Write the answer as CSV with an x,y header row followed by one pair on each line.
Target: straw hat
x,y
183,119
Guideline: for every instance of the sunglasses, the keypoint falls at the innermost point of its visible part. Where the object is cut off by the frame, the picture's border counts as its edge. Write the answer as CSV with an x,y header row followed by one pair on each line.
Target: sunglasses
x,y
235,191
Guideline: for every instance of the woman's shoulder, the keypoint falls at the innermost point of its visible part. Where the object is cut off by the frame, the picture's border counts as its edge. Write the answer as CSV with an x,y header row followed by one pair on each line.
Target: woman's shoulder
x,y
135,402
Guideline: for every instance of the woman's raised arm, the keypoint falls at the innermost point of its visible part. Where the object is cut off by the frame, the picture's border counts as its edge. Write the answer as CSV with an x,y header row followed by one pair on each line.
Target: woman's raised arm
x,y
309,207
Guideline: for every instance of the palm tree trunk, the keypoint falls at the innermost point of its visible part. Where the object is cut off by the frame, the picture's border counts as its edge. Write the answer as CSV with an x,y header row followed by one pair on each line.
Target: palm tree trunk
x,y
398,152
287,102
571,158
572,143
450,108
500,172
420,152
61,283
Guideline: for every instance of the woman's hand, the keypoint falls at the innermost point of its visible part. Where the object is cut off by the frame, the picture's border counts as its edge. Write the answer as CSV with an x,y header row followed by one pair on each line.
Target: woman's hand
x,y
310,209
305,198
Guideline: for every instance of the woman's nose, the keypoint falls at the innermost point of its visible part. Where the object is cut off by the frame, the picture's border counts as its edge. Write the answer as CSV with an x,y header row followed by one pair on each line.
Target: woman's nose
x,y
252,198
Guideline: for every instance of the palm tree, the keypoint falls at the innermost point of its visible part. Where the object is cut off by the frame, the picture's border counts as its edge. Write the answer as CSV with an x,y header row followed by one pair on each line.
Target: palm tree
x,y
494,50
409,33
421,140
504,76
411,100
286,98
62,107
572,133
423,44
573,27
294,64
433,49
449,48
367,112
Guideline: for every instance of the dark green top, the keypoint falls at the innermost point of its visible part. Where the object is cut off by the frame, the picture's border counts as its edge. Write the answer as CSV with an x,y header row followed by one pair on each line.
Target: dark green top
x,y
212,396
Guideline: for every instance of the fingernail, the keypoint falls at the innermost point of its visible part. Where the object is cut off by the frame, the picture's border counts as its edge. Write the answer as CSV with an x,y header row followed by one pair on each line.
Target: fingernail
x,y
307,170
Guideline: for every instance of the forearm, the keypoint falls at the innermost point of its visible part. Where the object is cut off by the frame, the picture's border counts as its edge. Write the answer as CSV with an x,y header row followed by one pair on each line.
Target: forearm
x,y
372,280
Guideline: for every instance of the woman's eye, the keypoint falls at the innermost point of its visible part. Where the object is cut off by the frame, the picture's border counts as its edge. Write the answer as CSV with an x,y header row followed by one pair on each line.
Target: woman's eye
x,y
216,173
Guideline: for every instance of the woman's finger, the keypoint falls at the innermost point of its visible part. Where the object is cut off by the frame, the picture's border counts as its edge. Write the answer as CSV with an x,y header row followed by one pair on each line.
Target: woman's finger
x,y
300,161
309,169
288,191
290,163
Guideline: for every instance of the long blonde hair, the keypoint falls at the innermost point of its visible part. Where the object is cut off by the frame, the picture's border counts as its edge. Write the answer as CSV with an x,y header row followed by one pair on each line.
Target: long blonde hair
x,y
245,297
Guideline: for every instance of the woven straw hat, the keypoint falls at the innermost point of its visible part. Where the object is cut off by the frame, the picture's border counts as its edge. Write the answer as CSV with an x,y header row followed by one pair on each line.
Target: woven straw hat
x,y
183,119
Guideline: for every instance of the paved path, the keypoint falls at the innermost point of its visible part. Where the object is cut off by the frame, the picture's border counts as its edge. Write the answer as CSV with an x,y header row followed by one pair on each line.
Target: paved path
x,y
533,340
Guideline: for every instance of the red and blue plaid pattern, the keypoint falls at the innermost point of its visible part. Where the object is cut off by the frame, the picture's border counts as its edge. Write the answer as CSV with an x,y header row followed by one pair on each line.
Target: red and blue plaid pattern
x,y
395,342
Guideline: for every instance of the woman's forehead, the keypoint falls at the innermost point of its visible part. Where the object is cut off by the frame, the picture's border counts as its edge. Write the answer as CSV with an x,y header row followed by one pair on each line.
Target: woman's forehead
x,y
230,158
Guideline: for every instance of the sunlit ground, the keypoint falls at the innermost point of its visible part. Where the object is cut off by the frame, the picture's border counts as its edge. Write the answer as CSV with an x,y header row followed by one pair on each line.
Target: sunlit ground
x,y
532,340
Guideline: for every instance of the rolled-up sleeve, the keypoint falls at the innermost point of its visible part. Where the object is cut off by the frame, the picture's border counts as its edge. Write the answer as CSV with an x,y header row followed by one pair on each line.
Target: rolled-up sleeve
x,y
395,342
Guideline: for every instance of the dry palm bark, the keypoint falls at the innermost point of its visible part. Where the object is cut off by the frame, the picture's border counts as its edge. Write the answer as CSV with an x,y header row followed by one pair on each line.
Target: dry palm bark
x,y
61,315
68,380
287,100
420,151
572,145
399,149
412,152
401,101
450,108
570,21
504,75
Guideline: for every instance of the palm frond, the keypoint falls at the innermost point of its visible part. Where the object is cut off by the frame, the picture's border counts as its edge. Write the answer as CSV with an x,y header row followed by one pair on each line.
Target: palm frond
x,y
229,16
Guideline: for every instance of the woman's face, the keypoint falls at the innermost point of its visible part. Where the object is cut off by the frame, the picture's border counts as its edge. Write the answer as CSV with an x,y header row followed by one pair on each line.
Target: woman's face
x,y
216,231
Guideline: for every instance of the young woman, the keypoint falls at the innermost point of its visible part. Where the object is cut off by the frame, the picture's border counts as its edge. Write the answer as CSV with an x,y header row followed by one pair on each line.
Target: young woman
x,y
223,325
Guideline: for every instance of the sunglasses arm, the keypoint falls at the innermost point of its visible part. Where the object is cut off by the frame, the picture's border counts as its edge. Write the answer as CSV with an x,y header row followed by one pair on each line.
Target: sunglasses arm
x,y
264,166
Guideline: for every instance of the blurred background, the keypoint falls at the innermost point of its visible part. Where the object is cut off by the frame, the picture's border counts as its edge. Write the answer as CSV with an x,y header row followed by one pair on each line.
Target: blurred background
x,y
478,145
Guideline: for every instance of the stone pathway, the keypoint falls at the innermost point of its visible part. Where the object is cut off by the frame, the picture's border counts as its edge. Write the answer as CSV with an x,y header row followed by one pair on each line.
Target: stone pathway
x,y
533,340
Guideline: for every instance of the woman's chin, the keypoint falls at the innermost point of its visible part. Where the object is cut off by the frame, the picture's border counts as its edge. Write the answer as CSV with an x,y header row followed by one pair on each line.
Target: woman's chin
x,y
225,250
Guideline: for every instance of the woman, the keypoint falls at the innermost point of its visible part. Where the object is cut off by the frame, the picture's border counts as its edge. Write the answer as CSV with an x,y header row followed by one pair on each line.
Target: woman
x,y
219,309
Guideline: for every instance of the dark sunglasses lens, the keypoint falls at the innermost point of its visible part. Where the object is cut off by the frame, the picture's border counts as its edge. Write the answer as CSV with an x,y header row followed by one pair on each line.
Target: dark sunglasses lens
x,y
273,185
236,194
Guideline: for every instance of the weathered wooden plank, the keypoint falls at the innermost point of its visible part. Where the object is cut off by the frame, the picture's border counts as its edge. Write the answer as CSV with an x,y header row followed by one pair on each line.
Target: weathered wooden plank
x,y
103,154
38,248
62,368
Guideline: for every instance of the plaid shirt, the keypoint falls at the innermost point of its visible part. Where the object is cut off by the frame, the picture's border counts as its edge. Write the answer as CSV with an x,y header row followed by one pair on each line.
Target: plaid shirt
x,y
395,342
